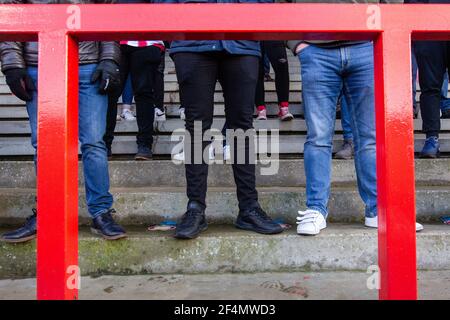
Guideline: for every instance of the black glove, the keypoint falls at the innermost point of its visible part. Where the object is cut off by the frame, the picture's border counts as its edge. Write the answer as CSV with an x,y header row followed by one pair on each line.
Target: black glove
x,y
20,83
108,73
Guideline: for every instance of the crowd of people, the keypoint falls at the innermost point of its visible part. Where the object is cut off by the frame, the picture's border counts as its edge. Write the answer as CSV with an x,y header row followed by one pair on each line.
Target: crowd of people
x,y
334,73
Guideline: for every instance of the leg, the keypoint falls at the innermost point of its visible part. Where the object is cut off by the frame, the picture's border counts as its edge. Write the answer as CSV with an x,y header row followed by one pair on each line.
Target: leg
x,y
159,83
238,76
322,84
111,116
92,117
197,76
432,64
276,52
359,94
143,64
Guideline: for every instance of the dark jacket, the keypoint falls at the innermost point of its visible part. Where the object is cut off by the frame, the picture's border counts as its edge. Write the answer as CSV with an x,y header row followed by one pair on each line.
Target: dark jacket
x,y
21,54
293,44
240,47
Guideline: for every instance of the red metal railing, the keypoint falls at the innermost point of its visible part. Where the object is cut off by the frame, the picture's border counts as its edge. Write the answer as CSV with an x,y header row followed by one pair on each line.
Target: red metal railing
x,y
59,27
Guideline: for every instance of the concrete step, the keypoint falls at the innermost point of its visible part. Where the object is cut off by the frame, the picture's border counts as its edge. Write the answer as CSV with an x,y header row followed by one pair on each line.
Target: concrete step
x,y
137,206
19,127
162,145
172,110
329,285
224,249
164,173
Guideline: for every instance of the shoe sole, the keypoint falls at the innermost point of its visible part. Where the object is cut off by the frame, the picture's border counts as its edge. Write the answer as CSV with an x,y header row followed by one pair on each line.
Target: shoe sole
x,y
98,233
183,237
287,118
310,234
26,239
249,227
142,158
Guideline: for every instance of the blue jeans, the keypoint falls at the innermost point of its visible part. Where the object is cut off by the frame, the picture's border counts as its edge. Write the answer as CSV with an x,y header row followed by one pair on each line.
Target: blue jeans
x,y
91,127
325,74
127,94
345,120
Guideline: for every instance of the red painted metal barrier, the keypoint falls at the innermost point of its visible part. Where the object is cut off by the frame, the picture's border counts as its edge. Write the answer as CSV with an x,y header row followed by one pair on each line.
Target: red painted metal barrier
x,y
60,27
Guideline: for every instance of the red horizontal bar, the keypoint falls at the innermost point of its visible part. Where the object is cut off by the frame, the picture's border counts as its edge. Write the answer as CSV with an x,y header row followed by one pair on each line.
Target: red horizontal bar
x,y
224,21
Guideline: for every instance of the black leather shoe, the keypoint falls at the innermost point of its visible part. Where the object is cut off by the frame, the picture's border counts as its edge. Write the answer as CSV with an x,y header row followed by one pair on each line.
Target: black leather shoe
x,y
105,226
25,233
258,221
192,222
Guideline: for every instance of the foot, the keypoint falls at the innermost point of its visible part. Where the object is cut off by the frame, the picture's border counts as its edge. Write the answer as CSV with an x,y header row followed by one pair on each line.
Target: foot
x,y
128,115
23,234
267,77
105,226
446,114
258,221
346,152
178,157
144,153
182,114
192,222
160,114
310,222
373,223
226,153
261,113
284,114
430,148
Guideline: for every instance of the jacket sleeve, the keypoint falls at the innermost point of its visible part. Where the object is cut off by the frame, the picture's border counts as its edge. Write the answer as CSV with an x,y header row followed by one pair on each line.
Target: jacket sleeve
x,y
109,50
11,52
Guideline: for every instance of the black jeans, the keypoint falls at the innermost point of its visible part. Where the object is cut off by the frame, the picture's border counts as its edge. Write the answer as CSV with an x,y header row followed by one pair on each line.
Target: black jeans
x,y
159,83
433,58
142,64
276,52
197,75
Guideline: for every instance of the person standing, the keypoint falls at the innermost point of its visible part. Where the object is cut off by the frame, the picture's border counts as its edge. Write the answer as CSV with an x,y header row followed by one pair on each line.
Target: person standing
x,y
98,75
199,65
433,59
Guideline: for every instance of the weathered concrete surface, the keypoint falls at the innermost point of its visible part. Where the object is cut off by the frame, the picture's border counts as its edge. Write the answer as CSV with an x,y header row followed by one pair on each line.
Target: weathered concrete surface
x,y
163,173
433,285
226,249
137,206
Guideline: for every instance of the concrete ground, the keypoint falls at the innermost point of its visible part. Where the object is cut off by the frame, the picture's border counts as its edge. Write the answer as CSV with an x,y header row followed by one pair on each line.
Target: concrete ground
x,y
266,286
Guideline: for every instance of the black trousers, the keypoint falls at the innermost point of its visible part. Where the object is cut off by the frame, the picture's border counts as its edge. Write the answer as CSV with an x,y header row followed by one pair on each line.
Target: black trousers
x,y
433,58
276,52
142,64
197,75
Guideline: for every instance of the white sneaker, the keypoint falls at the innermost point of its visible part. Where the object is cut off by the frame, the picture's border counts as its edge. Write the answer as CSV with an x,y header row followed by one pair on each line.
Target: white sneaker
x,y
182,114
226,152
179,157
310,222
212,155
160,115
373,223
128,115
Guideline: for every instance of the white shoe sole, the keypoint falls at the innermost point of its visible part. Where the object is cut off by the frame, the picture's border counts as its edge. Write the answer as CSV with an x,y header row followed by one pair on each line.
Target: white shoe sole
x,y
312,233
373,223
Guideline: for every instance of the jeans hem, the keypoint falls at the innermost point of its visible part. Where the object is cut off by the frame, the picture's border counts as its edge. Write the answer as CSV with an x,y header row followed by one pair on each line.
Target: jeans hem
x,y
324,213
99,213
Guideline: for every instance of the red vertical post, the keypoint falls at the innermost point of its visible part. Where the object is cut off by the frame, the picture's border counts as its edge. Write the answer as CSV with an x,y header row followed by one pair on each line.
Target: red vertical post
x,y
57,187
395,166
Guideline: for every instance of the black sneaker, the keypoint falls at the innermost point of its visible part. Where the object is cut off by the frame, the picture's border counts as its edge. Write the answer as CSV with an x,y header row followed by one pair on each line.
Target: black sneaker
x,y
105,226
258,221
109,152
25,233
144,153
192,222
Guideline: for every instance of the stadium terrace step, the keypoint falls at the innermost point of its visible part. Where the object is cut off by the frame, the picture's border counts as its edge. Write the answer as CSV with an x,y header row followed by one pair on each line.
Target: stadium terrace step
x,y
16,127
287,144
137,206
164,173
224,249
